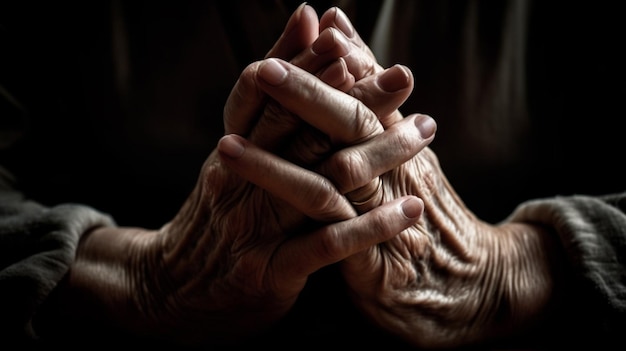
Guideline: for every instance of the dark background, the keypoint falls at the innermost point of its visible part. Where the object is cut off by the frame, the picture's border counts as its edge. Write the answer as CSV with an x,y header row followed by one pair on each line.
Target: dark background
x,y
121,104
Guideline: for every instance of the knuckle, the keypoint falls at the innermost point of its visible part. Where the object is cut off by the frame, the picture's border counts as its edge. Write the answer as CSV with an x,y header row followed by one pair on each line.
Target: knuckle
x,y
365,65
247,78
369,67
315,93
330,247
358,92
349,170
325,200
402,138
365,124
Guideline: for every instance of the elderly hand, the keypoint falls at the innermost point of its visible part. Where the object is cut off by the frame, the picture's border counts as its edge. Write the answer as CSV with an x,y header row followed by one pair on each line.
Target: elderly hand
x,y
235,257
450,279
303,142
238,256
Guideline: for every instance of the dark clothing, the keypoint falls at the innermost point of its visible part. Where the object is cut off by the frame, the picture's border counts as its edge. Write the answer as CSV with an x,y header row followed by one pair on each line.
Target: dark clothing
x,y
37,245
117,107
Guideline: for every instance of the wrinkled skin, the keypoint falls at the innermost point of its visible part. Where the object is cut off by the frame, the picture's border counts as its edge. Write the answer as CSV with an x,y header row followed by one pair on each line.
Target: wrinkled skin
x,y
450,279
235,257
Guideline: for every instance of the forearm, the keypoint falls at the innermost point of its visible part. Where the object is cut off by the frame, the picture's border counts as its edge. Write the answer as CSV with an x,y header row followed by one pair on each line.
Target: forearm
x,y
534,279
102,287
39,246
591,235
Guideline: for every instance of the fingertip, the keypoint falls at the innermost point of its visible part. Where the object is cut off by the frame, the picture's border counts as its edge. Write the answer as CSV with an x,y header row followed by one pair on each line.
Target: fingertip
x,y
413,207
426,125
295,18
337,75
231,146
331,41
300,31
395,78
308,11
310,22
343,23
272,72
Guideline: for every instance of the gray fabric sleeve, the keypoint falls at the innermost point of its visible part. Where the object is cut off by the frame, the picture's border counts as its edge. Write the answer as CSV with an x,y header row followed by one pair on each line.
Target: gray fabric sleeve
x,y
37,247
593,233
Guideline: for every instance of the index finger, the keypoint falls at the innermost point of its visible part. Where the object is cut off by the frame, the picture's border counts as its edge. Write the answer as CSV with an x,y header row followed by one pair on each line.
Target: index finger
x,y
343,118
307,191
305,254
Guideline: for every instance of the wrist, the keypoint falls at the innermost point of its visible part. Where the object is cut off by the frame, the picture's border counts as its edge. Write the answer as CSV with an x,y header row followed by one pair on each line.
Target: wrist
x,y
536,263
522,262
103,286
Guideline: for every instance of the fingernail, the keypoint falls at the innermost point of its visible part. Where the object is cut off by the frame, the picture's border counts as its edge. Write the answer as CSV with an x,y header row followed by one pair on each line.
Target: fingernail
x,y
230,146
343,23
272,72
413,207
336,74
394,79
426,125
328,39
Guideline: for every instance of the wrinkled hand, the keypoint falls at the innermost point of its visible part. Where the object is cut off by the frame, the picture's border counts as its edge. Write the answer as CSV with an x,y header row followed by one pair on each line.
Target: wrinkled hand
x,y
235,257
451,279
305,141
240,255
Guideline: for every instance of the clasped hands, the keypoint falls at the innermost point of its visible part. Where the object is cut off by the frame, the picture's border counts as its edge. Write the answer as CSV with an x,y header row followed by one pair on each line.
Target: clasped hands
x,y
319,167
